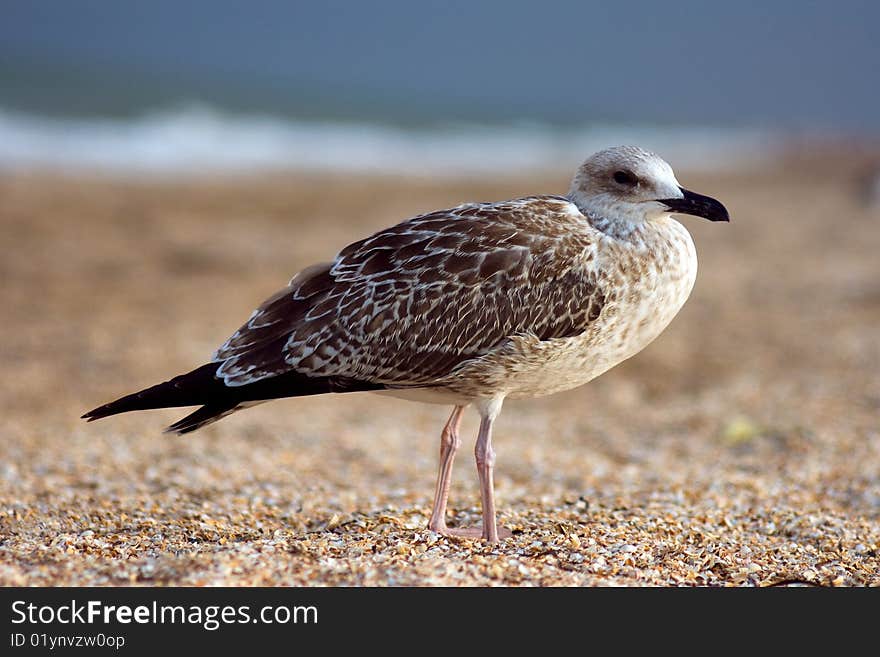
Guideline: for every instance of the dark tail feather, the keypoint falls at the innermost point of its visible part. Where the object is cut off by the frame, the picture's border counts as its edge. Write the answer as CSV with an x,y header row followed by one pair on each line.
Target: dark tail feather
x,y
205,415
190,389
202,388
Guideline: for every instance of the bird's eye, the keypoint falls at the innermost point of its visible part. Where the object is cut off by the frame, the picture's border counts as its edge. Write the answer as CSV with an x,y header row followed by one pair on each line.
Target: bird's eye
x,y
626,178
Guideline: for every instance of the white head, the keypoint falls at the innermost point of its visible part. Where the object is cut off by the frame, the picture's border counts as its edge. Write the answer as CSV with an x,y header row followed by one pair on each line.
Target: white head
x,y
624,186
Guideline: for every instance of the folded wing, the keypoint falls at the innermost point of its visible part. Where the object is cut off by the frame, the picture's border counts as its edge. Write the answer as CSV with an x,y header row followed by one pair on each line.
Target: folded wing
x,y
410,304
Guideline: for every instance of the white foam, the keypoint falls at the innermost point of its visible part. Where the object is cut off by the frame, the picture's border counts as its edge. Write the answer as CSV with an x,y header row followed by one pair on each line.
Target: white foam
x,y
200,140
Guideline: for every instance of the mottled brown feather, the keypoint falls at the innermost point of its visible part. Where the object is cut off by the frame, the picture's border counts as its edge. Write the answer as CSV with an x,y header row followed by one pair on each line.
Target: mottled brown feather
x,y
410,304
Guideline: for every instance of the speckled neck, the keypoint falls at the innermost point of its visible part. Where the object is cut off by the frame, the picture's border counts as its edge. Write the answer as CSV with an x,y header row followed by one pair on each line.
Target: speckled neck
x,y
616,228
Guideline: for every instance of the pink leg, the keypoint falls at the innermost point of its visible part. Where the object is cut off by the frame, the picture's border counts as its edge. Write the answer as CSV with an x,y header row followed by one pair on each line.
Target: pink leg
x,y
485,456
449,443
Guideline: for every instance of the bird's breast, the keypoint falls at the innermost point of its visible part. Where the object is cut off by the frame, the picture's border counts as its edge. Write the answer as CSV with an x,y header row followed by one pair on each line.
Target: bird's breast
x,y
645,285
650,280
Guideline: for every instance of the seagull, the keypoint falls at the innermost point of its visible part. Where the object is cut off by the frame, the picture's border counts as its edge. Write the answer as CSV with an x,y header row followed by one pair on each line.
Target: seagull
x,y
467,306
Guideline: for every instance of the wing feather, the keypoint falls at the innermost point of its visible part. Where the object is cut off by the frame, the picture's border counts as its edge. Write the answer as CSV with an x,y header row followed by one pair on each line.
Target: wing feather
x,y
410,304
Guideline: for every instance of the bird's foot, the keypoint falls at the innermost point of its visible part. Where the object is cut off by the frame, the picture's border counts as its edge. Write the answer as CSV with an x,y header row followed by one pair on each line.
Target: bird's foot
x,y
469,532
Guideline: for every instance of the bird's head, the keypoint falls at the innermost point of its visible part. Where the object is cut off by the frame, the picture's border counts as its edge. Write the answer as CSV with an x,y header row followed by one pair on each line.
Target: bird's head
x,y
626,185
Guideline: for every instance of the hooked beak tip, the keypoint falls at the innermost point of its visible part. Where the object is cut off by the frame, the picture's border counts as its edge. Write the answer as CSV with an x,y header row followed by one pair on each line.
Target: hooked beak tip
x,y
697,205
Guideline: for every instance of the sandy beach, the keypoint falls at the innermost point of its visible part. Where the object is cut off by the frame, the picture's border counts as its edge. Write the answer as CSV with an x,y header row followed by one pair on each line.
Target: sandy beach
x,y
742,448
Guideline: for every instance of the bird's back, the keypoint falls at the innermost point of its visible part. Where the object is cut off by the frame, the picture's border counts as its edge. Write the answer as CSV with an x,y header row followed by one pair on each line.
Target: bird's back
x,y
410,305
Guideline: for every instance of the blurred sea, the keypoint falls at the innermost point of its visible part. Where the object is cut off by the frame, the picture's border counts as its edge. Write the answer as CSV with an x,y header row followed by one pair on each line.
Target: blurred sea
x,y
450,89
197,139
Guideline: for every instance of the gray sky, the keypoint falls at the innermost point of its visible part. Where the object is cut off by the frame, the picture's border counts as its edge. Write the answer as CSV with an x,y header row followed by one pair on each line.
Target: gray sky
x,y
785,63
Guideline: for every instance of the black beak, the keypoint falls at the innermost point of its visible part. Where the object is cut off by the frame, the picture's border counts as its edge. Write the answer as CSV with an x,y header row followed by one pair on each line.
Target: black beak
x,y
697,205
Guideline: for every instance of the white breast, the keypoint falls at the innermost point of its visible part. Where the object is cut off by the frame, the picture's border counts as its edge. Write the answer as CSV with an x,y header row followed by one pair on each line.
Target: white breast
x,y
652,298
650,282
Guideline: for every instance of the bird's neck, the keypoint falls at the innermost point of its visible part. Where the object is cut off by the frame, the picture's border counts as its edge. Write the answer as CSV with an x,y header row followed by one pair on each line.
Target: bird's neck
x,y
609,215
617,228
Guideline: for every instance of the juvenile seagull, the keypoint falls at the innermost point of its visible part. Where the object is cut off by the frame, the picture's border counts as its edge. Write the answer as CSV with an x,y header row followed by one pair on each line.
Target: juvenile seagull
x,y
470,305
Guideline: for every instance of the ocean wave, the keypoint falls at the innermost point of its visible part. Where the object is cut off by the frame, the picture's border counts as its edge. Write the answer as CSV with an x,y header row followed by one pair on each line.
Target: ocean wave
x,y
201,140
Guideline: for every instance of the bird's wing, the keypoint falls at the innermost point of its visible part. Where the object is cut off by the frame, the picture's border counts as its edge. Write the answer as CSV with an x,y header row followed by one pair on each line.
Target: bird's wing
x,y
413,302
